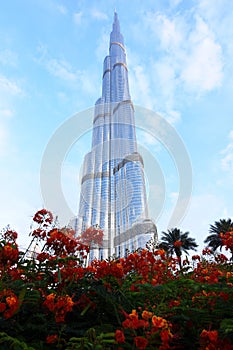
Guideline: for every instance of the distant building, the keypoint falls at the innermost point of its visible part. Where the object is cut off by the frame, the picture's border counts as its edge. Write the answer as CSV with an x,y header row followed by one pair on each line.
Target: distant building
x,y
113,193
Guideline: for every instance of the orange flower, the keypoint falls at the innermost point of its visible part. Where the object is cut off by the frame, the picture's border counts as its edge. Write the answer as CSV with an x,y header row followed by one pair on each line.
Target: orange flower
x,y
133,315
132,321
11,301
146,315
159,322
11,304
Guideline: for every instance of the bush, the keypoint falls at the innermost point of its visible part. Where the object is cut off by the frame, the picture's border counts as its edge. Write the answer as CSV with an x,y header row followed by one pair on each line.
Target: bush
x,y
53,300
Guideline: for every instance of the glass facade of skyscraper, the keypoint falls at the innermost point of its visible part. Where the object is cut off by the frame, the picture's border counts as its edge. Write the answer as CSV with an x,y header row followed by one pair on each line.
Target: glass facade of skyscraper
x,y
113,194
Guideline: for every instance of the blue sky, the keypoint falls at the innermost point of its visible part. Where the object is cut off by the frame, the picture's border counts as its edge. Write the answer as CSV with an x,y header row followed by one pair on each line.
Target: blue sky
x,y
179,57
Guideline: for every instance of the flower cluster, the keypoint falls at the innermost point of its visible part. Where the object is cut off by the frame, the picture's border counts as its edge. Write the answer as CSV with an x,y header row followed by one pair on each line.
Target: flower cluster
x,y
9,303
9,252
92,236
147,330
59,305
227,240
209,340
43,216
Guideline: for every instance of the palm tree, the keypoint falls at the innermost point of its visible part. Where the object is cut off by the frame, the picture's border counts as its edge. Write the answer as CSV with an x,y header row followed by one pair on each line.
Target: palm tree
x,y
214,240
175,241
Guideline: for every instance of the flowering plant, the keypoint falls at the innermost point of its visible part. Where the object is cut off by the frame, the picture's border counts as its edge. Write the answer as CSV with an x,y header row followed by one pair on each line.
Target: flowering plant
x,y
53,299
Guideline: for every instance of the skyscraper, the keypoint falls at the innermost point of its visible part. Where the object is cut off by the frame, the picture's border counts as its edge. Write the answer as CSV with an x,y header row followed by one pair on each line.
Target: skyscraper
x,y
113,193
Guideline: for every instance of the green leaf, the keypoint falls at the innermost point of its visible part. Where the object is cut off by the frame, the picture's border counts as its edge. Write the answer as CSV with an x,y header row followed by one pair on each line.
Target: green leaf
x,y
227,325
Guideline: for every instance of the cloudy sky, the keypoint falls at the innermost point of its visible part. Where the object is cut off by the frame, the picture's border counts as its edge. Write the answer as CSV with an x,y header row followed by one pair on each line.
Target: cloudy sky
x,y
179,57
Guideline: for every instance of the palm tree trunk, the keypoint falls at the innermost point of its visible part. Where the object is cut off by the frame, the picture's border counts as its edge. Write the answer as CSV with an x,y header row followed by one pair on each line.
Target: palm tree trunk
x,y
178,255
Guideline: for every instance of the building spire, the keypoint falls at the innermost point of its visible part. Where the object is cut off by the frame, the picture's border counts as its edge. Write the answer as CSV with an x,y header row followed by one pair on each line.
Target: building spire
x,y
116,24
116,32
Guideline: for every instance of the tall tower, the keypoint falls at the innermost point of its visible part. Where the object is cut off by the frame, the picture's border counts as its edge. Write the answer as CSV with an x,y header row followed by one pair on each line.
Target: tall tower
x,y
113,193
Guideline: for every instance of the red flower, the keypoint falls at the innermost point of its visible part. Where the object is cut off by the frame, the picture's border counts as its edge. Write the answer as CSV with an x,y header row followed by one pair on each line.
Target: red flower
x,y
119,336
92,235
227,240
10,236
2,307
39,233
140,343
84,301
209,339
132,321
165,336
42,256
43,216
196,257
207,251
177,244
10,303
51,339
9,254
174,303
60,305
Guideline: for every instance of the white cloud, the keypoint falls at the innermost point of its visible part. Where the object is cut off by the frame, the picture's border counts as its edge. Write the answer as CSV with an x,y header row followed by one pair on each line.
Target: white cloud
x,y
9,90
174,196
168,30
227,159
172,116
203,63
164,77
191,57
139,82
62,96
6,113
142,84
102,48
99,15
8,86
219,16
61,69
21,198
62,9
145,139
3,140
78,16
174,3
8,57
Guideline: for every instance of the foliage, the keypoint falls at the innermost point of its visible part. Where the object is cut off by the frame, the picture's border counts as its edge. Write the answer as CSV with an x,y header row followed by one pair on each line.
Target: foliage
x,y
222,226
175,241
148,300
